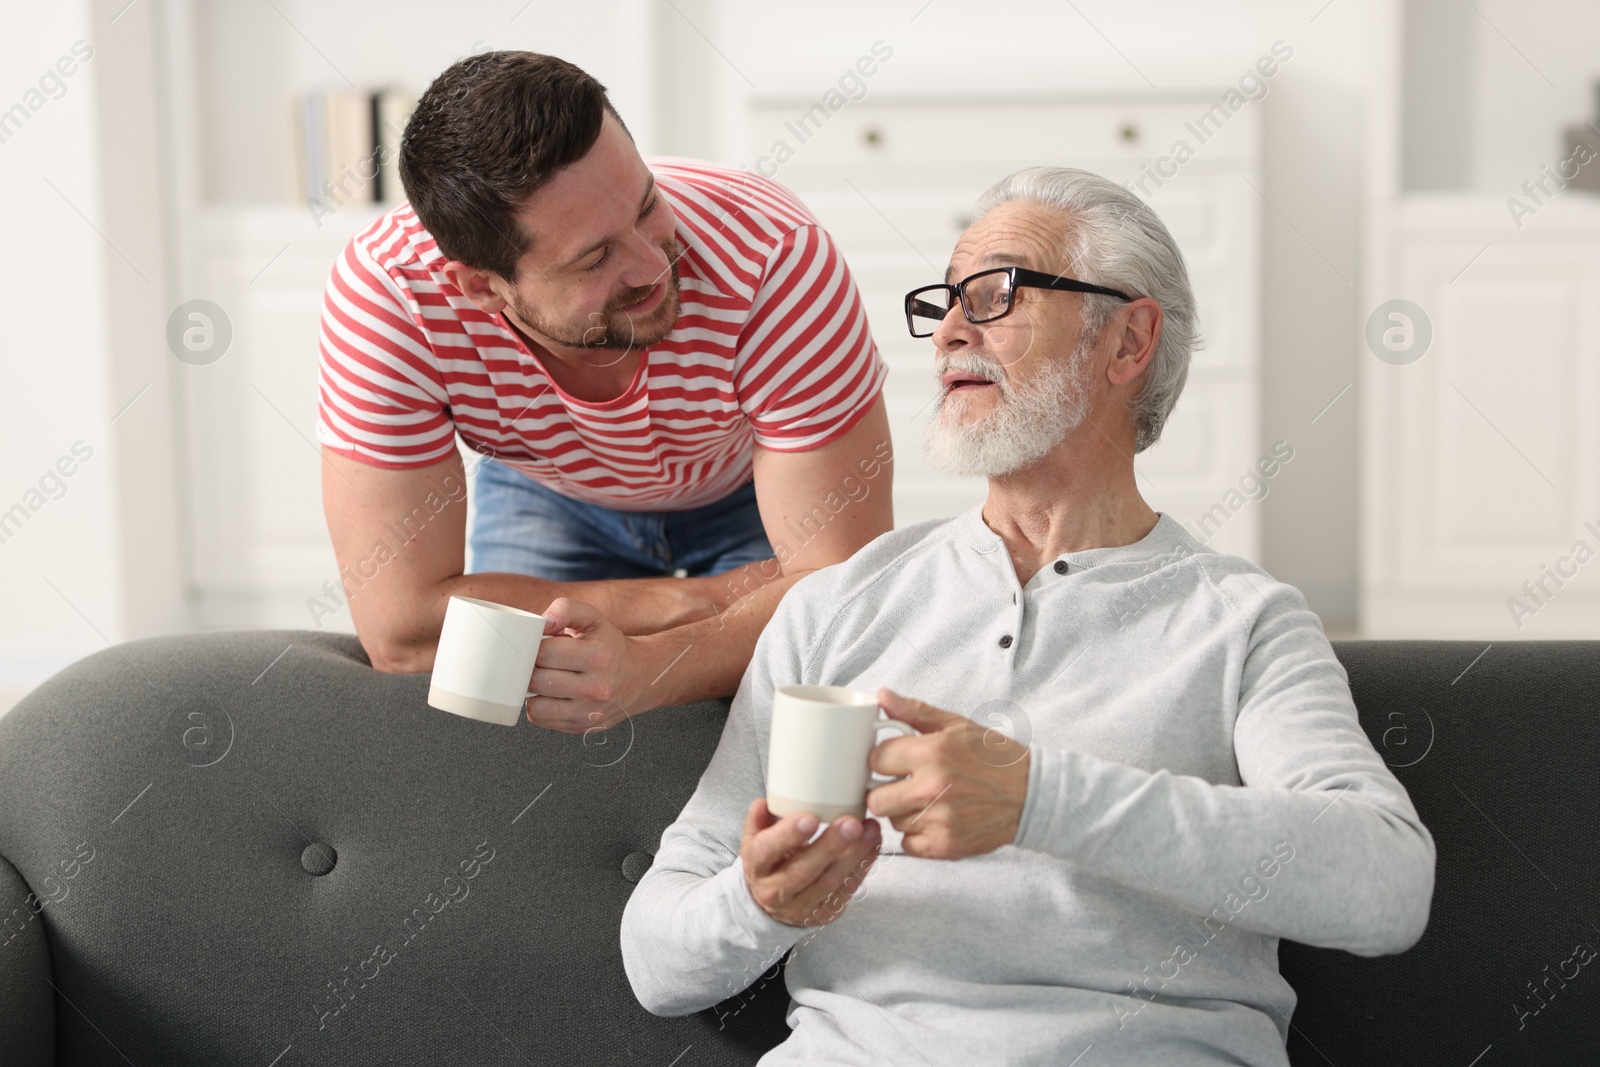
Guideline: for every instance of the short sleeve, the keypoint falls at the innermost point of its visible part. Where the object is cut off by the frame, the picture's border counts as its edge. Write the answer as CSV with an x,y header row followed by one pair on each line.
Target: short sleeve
x,y
806,369
381,397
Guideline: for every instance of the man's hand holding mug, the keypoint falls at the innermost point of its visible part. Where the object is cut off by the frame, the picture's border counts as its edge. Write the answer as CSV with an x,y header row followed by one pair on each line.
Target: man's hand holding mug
x,y
490,654
959,793
961,787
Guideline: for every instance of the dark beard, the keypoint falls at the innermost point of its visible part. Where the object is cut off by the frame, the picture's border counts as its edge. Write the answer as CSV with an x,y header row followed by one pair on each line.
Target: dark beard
x,y
612,328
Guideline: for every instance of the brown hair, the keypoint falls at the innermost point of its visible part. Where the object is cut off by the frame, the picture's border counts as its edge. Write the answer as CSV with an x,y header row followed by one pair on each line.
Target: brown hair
x,y
489,131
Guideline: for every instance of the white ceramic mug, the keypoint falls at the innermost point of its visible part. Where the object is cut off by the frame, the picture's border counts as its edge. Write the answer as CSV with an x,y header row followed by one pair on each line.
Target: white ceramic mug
x,y
486,658
817,754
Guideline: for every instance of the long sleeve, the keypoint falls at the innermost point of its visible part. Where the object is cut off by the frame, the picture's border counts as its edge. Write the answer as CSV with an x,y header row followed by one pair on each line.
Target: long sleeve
x,y
692,935
1319,844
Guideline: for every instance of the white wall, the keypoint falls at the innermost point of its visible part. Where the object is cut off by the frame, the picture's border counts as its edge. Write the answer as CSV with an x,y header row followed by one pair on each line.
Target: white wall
x,y
1491,85
1438,70
1535,65
97,559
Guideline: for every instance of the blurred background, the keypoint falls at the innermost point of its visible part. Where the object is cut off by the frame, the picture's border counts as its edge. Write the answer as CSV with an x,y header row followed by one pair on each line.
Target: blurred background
x,y
1388,208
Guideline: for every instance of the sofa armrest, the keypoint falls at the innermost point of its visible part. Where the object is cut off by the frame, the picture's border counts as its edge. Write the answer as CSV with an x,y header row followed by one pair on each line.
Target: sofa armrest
x,y
27,998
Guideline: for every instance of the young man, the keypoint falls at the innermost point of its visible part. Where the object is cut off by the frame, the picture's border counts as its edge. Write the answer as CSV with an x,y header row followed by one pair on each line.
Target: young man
x,y
1138,763
631,343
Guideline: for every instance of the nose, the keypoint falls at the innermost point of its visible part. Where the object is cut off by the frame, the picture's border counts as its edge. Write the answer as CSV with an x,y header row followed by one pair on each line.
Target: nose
x,y
954,332
649,262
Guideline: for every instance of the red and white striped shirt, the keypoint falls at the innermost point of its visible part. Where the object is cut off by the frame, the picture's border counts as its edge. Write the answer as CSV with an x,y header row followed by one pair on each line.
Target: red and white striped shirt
x,y
771,346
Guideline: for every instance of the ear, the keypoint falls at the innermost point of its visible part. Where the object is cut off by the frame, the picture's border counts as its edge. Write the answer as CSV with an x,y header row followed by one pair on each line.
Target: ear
x,y
1139,332
478,286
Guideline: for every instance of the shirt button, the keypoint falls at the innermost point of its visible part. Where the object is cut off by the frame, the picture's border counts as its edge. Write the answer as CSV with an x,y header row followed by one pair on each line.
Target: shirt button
x,y
1005,642
1061,566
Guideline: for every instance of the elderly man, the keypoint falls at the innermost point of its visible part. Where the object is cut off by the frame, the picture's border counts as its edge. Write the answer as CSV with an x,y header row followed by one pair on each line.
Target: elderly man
x,y
1138,763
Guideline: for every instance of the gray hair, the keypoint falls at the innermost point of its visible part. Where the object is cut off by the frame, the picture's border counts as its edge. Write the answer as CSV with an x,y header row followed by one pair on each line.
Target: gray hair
x,y
1114,239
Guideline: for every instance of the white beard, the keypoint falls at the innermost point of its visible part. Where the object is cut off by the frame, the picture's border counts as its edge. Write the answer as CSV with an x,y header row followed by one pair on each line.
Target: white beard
x,y
1021,429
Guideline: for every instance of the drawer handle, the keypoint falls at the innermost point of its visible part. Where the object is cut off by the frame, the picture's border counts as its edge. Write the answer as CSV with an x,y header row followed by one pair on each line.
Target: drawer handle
x,y
1129,132
872,136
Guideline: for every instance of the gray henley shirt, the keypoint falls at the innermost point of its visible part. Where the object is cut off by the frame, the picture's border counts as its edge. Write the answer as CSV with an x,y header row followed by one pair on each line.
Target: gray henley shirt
x,y
1199,787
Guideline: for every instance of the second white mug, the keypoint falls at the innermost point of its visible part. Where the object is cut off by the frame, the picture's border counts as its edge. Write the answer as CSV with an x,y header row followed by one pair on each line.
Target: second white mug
x,y
817,753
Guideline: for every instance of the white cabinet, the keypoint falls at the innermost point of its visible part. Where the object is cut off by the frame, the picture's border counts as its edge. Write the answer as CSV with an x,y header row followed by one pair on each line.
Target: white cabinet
x,y
261,544
894,183
1481,459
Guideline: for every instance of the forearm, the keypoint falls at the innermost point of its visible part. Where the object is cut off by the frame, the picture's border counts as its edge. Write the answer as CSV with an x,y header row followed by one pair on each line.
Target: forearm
x,y
689,942
408,638
632,605
702,660
1358,874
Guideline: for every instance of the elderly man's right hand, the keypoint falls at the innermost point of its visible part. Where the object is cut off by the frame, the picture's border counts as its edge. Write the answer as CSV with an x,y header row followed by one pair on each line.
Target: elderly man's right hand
x,y
805,884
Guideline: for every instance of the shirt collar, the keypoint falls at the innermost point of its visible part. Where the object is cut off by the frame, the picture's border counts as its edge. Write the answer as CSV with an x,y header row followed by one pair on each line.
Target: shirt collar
x,y
1167,536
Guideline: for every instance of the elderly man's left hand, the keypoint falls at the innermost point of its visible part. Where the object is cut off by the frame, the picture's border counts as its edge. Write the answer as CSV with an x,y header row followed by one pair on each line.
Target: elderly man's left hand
x,y
966,788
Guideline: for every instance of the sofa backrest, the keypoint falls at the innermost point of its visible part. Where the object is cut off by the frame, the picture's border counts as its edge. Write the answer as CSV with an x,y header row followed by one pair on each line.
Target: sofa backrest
x,y
243,845
1498,746
170,801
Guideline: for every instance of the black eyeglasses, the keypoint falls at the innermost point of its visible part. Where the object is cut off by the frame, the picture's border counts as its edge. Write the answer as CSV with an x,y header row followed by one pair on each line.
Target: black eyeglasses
x,y
986,296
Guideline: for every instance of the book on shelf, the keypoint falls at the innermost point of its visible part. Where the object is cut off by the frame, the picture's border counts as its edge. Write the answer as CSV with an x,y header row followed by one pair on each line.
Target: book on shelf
x,y
347,147
391,109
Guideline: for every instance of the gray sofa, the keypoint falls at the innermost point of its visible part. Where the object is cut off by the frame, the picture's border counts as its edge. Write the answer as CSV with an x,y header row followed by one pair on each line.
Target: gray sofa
x,y
248,847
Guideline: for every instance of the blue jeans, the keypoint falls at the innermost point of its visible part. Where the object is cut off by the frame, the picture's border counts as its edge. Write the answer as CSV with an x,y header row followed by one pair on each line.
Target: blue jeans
x,y
521,527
